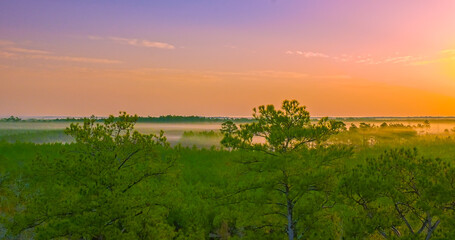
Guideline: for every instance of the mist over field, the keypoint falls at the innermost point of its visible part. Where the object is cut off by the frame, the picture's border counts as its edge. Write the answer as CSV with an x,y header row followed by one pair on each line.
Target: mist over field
x,y
37,131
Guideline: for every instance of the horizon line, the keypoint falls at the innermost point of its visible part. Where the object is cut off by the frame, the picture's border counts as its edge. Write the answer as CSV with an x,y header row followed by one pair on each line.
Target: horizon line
x,y
53,117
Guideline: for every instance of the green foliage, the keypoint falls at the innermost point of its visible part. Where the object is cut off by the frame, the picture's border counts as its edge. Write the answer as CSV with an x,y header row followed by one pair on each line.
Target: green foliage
x,y
400,194
292,177
11,119
280,164
109,184
284,130
34,136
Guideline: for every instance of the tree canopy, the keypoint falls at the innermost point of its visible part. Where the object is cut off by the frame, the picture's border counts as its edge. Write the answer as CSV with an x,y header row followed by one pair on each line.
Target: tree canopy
x,y
99,188
294,180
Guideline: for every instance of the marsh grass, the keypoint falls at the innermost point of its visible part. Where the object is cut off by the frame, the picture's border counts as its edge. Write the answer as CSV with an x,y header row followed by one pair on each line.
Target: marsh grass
x,y
203,139
20,143
35,136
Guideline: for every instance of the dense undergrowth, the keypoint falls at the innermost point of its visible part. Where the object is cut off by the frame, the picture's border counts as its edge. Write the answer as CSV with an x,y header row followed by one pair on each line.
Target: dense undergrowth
x,y
216,192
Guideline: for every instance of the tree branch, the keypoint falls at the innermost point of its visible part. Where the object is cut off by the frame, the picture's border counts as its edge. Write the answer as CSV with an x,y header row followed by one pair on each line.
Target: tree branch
x,y
127,158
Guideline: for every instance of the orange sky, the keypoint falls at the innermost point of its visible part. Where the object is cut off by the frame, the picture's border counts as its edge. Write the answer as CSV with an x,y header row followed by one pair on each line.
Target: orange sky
x,y
218,58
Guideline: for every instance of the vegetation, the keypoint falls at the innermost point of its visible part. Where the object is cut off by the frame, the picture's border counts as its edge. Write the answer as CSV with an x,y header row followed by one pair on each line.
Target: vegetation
x,y
296,177
35,136
208,134
411,196
160,119
11,119
96,187
281,175
188,119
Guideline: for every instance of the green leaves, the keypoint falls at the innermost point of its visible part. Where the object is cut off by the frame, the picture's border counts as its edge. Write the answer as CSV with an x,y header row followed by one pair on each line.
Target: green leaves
x,y
403,193
110,184
279,131
295,174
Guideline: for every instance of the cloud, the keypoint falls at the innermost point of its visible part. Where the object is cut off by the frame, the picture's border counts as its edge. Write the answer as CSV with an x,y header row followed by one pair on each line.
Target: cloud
x,y
368,59
308,54
25,53
402,59
7,54
25,50
136,42
162,45
74,59
142,43
314,55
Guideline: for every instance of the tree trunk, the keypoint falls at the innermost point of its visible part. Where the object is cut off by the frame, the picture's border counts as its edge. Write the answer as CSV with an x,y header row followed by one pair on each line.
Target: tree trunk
x,y
290,209
431,229
290,228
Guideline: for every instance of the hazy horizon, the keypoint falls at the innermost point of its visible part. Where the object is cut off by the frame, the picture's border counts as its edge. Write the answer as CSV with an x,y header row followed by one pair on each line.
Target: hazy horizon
x,y
50,117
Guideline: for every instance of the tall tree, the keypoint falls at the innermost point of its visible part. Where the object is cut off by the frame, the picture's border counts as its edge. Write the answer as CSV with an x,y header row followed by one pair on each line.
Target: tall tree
x,y
109,184
294,175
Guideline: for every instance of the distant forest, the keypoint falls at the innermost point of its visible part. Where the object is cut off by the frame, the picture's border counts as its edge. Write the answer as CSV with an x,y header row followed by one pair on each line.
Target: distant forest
x,y
199,119
160,119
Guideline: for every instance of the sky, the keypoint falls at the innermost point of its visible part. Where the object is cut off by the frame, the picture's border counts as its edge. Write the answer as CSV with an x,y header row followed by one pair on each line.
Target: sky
x,y
225,57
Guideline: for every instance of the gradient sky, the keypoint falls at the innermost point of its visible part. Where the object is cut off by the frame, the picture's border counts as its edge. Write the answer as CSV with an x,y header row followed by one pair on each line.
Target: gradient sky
x,y
224,57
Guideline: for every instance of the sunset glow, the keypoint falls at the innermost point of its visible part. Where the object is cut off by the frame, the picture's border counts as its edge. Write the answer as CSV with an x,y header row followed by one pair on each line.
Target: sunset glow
x,y
222,58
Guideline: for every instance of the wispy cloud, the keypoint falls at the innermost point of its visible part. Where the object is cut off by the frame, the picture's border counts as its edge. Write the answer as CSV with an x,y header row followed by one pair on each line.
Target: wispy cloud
x,y
11,51
136,42
142,43
7,54
366,59
73,59
25,50
402,59
308,54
